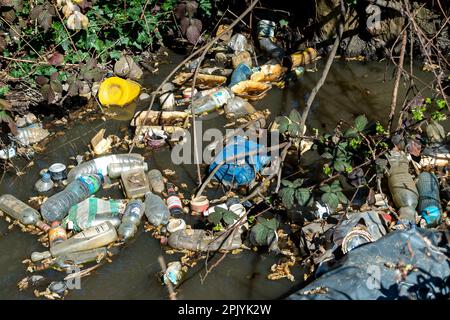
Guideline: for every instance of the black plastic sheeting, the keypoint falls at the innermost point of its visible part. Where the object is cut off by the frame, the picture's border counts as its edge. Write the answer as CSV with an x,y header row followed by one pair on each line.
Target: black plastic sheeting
x,y
374,271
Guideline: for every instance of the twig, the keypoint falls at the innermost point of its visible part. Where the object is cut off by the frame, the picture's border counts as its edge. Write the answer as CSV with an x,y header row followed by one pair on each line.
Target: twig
x,y
397,79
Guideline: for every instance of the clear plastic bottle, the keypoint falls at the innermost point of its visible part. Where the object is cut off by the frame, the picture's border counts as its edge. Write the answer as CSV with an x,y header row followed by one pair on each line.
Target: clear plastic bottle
x,y
212,101
429,200
94,237
57,206
156,180
156,210
238,107
100,165
45,183
115,169
402,186
21,212
31,134
200,240
131,219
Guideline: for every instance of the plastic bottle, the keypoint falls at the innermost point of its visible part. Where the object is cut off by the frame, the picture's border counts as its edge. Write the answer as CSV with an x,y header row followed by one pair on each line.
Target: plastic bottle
x,y
21,212
74,258
429,200
116,169
213,101
100,165
402,186
167,99
238,107
31,134
156,210
44,184
92,212
173,200
91,238
131,219
200,240
241,73
156,180
57,206
56,234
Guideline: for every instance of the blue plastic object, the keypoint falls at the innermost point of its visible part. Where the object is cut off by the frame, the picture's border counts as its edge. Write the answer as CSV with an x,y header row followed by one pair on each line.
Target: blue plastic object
x,y
241,73
429,201
243,170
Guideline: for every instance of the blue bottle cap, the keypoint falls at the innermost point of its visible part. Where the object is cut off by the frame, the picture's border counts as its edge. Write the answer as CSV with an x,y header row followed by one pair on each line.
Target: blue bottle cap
x,y
431,215
46,177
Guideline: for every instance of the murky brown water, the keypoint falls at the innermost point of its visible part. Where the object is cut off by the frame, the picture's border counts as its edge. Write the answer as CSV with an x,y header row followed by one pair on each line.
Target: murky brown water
x,y
352,88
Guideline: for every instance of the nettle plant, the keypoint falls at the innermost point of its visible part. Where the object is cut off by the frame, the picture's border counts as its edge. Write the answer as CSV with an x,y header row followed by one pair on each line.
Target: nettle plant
x,y
221,218
428,107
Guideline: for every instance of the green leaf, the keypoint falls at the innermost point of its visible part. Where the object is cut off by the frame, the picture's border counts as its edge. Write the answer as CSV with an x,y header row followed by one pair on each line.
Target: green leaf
x,y
335,186
331,199
261,234
350,133
295,116
4,90
229,217
298,183
287,183
342,198
283,123
215,217
294,129
287,196
327,155
303,196
361,123
269,223
325,188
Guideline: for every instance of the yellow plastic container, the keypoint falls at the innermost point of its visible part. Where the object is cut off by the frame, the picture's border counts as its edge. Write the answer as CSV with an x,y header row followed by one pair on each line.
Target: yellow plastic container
x,y
118,91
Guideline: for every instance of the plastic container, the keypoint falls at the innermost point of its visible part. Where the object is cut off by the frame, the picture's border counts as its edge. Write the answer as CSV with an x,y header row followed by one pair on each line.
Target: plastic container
x,y
100,165
241,73
402,186
266,28
135,183
213,101
156,210
173,273
271,49
238,107
44,184
429,200
57,206
58,171
303,58
175,225
131,219
30,135
22,212
173,200
200,240
94,237
115,170
156,181
118,91
167,99
92,212
238,43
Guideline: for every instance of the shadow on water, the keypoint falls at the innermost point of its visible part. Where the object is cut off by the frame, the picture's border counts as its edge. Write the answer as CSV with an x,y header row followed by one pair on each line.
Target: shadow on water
x,y
351,89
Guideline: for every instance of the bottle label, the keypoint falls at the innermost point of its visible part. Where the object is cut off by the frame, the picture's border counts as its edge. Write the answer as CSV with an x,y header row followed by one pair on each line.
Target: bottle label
x,y
57,235
135,209
93,231
91,183
221,97
174,202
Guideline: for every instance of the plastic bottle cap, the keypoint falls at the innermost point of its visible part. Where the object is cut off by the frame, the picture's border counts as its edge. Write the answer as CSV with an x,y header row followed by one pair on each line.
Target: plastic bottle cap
x,y
46,177
57,167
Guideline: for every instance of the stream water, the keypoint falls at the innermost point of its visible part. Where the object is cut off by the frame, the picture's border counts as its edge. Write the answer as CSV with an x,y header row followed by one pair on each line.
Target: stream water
x,y
352,88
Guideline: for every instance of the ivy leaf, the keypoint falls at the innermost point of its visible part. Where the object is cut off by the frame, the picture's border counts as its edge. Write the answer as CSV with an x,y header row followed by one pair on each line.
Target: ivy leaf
x,y
193,34
325,188
215,217
184,25
342,198
303,196
283,123
287,183
294,115
331,199
191,8
56,59
229,217
327,155
361,123
287,196
350,133
297,183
